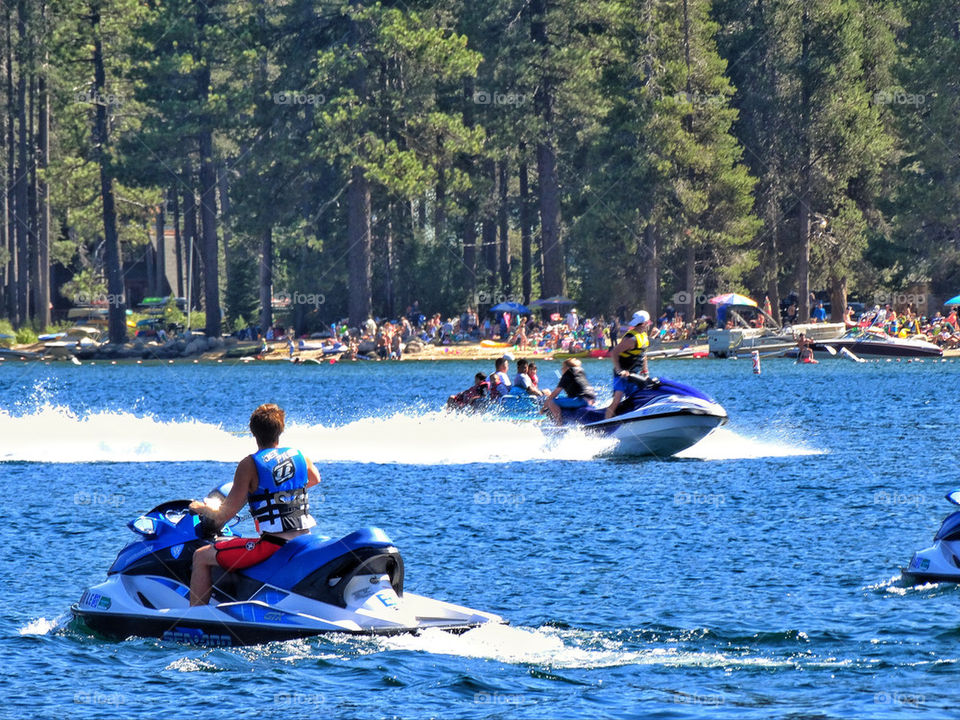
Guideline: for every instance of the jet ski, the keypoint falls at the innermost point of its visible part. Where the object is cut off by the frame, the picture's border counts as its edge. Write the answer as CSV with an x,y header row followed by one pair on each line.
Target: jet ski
x,y
661,417
311,585
941,561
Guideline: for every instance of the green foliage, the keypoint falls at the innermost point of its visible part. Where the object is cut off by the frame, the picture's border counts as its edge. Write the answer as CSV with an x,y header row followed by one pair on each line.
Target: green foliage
x,y
26,336
700,127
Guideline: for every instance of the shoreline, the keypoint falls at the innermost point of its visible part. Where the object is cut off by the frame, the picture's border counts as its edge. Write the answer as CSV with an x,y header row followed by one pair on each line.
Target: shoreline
x,y
279,352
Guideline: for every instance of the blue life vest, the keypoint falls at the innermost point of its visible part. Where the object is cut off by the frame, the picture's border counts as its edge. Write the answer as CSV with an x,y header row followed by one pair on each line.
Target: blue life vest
x,y
280,501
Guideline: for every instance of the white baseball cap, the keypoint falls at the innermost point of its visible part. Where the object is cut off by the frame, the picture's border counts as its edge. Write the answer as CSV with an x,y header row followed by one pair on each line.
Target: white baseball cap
x,y
640,316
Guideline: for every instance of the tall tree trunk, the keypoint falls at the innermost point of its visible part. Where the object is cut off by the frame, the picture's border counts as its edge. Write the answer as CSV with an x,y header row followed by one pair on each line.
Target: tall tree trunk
x,y
772,258
526,238
554,279
177,241
359,229
190,240
223,188
32,199
162,287
488,227
208,193
651,270
806,157
117,306
502,221
21,211
690,284
266,279
358,237
440,207
151,263
838,298
389,261
470,247
548,185
43,199
468,200
10,278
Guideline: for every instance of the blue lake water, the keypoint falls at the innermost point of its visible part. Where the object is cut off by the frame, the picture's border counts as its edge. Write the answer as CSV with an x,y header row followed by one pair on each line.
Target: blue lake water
x,y
756,576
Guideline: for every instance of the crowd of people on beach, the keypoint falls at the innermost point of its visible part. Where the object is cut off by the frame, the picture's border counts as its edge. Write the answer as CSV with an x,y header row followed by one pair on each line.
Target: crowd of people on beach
x,y
388,339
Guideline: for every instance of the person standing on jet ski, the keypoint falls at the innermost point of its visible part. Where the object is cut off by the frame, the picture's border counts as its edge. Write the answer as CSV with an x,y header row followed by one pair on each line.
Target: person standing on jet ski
x,y
273,482
629,355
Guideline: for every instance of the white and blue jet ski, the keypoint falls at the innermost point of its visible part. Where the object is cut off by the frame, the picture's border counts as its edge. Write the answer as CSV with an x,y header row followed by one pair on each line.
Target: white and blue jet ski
x,y
310,586
660,418
941,561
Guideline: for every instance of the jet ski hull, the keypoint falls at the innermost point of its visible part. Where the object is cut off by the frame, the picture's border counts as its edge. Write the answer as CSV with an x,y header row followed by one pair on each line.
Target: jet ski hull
x,y
211,625
310,586
664,435
936,564
661,419
662,431
941,561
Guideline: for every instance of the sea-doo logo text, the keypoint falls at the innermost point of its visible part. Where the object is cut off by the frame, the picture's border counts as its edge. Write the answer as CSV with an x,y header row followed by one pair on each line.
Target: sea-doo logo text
x,y
284,471
197,636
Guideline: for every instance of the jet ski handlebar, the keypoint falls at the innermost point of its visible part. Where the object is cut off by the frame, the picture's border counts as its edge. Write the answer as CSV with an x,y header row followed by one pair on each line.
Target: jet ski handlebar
x,y
644,381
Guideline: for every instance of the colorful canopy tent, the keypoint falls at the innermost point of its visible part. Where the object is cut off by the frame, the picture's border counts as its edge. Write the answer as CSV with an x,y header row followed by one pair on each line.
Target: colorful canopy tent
x,y
953,301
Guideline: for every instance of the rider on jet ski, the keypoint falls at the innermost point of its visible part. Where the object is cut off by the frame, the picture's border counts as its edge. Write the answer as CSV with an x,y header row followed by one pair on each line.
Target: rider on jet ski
x,y
630,354
274,482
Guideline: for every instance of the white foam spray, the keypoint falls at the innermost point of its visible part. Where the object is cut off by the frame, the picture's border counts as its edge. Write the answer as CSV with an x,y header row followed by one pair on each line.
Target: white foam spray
x,y
55,434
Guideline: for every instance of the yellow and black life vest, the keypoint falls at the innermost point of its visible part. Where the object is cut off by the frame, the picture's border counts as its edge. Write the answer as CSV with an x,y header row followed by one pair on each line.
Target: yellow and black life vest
x,y
629,359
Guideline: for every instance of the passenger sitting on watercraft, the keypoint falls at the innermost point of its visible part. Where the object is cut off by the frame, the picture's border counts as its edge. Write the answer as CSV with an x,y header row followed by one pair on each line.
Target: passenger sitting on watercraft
x,y
522,383
274,482
532,374
630,355
804,348
573,382
472,394
500,381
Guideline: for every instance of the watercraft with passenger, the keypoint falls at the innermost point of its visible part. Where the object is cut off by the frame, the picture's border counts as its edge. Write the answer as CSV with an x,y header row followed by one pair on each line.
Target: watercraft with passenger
x,y
311,585
661,418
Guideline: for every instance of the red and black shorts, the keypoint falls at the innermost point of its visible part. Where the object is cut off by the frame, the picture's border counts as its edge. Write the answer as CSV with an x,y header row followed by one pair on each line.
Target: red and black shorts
x,y
241,553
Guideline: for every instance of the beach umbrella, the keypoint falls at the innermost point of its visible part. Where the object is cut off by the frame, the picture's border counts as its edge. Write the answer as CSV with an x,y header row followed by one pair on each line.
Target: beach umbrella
x,y
733,299
555,300
513,307
953,301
